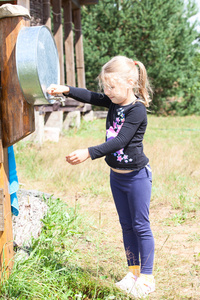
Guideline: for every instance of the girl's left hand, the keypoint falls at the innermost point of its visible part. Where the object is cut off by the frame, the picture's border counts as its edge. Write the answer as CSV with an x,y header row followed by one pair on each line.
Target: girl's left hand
x,y
78,156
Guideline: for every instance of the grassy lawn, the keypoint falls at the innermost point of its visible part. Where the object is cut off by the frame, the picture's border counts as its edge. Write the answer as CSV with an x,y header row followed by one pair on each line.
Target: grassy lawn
x,y
81,256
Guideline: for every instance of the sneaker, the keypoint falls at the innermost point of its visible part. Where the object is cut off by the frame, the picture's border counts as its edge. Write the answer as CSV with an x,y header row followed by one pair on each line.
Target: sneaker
x,y
142,288
127,283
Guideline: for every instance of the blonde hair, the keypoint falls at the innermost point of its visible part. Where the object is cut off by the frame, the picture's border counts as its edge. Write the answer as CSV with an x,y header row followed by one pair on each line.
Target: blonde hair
x,y
126,69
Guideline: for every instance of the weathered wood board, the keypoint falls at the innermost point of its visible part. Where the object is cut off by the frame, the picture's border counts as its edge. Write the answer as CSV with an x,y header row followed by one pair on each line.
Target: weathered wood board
x,y
17,115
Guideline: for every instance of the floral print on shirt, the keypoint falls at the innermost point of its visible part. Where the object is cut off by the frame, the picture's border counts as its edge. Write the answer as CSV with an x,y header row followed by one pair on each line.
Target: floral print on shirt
x,y
113,131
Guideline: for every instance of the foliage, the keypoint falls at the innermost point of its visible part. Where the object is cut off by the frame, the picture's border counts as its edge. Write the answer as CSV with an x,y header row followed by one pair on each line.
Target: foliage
x,y
191,99
158,33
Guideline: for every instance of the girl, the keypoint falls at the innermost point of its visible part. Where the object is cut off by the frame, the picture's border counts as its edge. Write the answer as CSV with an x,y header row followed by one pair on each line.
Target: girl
x,y
126,95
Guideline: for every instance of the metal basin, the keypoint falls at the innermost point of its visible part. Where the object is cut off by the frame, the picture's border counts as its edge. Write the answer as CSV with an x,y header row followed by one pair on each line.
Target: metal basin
x,y
37,63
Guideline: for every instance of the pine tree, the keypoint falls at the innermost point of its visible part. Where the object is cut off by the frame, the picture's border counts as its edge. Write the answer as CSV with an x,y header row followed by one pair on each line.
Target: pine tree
x,y
156,32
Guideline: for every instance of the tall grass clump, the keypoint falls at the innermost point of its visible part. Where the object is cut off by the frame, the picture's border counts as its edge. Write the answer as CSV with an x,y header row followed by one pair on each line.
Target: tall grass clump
x,y
50,271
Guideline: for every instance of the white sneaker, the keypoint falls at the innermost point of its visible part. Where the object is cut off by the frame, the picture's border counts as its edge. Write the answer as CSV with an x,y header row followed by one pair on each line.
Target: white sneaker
x,y
142,288
127,283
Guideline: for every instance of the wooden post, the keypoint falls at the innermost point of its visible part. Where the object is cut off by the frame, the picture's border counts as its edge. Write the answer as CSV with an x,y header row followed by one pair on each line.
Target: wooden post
x,y
69,43
58,34
6,236
16,122
79,48
2,227
46,13
17,115
24,3
1,210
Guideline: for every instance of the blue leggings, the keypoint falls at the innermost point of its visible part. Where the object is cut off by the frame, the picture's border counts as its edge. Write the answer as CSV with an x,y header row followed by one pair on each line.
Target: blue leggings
x,y
132,193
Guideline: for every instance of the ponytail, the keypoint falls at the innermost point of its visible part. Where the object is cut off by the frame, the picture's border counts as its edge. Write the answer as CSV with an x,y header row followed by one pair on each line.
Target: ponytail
x,y
144,88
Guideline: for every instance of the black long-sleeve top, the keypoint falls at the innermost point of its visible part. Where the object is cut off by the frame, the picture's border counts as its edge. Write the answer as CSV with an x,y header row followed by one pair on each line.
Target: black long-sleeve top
x,y
125,128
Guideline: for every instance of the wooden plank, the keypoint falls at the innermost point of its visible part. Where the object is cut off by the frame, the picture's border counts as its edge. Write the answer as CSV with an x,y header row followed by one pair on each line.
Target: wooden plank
x,y
100,114
76,4
57,107
1,146
8,2
17,115
6,237
69,43
1,189
1,210
24,3
80,67
88,2
46,13
58,34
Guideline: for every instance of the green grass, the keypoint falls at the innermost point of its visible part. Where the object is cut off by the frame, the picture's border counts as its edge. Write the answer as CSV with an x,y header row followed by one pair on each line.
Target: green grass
x,y
83,255
50,271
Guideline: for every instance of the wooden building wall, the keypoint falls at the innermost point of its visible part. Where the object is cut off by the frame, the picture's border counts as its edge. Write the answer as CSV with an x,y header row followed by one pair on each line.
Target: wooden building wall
x,y
63,17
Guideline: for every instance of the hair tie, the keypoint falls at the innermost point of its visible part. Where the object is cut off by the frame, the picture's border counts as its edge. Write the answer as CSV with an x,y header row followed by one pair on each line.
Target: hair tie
x,y
135,62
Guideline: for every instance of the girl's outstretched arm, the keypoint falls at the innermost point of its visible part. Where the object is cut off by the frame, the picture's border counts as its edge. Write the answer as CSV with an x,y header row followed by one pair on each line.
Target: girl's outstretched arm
x,y
80,94
55,89
78,156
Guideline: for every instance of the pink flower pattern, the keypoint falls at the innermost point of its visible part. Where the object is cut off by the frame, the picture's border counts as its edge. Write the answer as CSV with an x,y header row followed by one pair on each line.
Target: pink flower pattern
x,y
113,131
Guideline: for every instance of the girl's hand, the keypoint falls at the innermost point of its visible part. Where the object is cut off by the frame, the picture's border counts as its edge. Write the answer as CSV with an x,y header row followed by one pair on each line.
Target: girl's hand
x,y
55,89
78,156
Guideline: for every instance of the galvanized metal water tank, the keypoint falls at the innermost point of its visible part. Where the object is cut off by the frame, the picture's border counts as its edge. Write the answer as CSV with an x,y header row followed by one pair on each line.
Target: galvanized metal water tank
x,y
37,63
